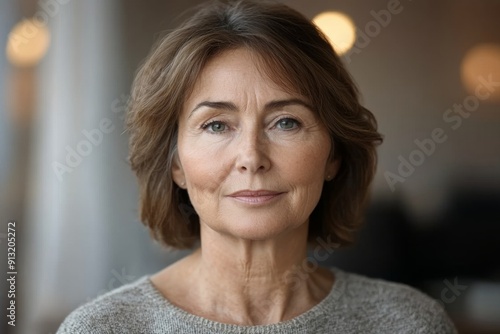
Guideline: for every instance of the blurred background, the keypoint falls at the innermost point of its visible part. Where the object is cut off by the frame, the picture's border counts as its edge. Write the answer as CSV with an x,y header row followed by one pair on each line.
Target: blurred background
x,y
429,70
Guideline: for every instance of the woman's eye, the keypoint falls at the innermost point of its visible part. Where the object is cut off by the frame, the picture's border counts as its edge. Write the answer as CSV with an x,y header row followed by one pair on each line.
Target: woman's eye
x,y
215,127
287,123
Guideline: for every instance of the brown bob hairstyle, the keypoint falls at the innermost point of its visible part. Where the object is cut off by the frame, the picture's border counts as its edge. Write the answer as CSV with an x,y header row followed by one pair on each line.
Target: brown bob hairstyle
x,y
295,55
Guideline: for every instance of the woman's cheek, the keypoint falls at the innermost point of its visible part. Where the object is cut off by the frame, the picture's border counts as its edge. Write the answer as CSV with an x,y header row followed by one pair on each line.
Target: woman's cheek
x,y
206,170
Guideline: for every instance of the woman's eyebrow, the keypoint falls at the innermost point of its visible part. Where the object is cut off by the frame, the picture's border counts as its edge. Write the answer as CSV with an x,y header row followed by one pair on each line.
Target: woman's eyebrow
x,y
272,105
215,105
278,104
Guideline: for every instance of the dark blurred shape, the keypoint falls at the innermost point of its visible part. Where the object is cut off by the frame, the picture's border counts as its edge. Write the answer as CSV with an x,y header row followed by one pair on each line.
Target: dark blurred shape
x,y
453,257
382,248
466,242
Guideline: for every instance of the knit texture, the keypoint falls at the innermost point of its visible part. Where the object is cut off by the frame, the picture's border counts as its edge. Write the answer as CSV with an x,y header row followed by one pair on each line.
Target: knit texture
x,y
356,304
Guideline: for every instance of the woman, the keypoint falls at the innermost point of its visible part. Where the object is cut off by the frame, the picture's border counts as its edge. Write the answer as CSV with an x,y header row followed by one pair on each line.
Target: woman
x,y
250,145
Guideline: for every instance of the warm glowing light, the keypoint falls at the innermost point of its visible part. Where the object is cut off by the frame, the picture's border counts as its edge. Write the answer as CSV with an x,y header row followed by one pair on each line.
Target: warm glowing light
x,y
28,42
482,62
338,28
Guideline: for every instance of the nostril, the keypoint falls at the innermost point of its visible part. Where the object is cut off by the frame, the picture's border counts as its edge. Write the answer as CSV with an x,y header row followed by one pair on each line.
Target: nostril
x,y
252,158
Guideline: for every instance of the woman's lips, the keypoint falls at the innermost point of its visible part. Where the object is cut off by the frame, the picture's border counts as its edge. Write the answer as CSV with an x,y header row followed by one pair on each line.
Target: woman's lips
x,y
255,197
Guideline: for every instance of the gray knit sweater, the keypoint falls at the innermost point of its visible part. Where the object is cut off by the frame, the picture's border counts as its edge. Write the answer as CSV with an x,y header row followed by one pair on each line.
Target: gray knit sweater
x,y
356,304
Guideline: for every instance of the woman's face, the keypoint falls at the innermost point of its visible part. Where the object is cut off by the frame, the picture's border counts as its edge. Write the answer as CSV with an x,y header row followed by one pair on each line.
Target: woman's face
x,y
239,131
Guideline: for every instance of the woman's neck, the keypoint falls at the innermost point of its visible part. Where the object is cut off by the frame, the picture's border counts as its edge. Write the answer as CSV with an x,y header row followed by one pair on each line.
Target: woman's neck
x,y
250,282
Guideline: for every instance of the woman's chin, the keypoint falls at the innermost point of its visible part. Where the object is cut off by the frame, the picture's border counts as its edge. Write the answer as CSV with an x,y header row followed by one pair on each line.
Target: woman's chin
x,y
255,231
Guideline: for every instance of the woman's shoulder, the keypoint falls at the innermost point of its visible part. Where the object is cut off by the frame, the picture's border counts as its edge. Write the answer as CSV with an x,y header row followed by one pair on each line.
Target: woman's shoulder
x,y
121,305
393,305
365,288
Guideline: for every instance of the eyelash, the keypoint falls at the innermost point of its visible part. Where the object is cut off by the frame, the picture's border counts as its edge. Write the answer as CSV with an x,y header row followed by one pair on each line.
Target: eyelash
x,y
289,118
206,125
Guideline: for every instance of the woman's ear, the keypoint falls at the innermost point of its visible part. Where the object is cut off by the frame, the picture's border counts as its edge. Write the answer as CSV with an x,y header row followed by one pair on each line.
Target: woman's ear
x,y
332,168
178,172
333,164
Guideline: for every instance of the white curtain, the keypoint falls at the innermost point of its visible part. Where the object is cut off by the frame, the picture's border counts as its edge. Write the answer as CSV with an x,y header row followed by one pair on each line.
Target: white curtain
x,y
81,216
7,154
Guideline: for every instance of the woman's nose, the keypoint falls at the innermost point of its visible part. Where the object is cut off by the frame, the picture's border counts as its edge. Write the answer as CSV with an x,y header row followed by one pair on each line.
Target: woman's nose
x,y
252,153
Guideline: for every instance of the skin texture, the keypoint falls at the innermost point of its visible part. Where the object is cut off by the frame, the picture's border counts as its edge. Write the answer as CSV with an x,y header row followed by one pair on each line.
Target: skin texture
x,y
239,274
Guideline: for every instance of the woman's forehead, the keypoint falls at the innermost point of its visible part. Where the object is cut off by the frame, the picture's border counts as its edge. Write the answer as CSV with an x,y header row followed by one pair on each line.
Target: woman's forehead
x,y
241,70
